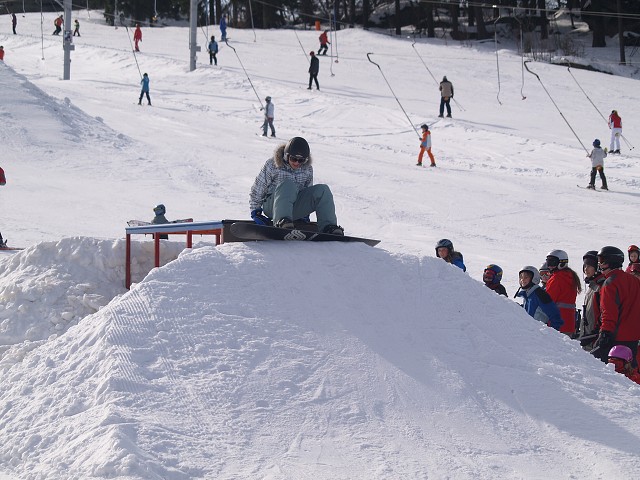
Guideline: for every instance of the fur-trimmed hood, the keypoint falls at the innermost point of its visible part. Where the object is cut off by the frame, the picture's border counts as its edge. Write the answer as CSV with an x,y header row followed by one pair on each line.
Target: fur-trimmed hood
x,y
278,156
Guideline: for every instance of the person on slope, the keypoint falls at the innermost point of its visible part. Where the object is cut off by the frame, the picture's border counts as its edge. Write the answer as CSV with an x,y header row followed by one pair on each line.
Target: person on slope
x,y
622,358
269,111
223,27
615,124
563,287
314,68
14,23
1,53
58,24
537,302
213,51
3,179
425,146
160,219
285,192
491,277
446,94
634,256
324,41
76,29
597,157
145,89
137,37
445,251
593,279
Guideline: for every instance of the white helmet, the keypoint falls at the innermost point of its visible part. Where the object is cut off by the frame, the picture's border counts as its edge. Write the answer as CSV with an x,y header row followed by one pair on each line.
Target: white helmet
x,y
534,271
557,259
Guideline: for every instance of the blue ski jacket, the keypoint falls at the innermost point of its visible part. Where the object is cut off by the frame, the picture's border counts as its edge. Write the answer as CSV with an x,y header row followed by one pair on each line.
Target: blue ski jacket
x,y
539,305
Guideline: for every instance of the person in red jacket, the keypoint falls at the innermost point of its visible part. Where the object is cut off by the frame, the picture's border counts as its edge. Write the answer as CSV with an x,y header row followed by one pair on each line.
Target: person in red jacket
x,y
619,305
615,124
634,256
3,179
563,287
324,41
1,53
137,36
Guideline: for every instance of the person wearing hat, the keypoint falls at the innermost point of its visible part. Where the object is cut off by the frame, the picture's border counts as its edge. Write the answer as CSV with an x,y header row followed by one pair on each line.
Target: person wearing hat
x,y
615,124
593,279
633,253
1,53
269,110
446,94
425,145
324,41
597,157
160,219
145,89
314,68
213,51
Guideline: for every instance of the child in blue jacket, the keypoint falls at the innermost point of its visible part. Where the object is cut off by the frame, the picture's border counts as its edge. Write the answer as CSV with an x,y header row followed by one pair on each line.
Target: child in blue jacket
x,y
537,302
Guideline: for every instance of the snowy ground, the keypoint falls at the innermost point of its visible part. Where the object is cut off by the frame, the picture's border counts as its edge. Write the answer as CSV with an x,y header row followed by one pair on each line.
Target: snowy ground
x,y
274,361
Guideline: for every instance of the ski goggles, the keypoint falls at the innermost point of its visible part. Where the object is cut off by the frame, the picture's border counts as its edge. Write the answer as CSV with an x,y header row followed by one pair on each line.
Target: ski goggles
x,y
297,159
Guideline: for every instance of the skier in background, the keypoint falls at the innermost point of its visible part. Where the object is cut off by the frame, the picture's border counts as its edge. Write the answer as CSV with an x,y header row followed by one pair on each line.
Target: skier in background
x,y
615,124
314,68
58,24
14,22
145,89
445,251
425,146
213,50
446,94
324,41
3,179
76,30
223,27
137,37
1,53
597,157
269,110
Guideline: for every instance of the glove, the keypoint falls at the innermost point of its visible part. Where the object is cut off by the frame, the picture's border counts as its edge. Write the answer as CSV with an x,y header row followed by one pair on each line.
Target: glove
x,y
605,340
259,218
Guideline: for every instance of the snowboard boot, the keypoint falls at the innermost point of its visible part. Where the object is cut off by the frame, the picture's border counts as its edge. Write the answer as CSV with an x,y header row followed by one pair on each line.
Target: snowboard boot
x,y
285,222
334,230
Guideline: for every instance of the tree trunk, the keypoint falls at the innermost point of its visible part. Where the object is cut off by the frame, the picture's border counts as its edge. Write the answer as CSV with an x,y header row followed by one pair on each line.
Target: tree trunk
x,y
482,29
544,27
431,30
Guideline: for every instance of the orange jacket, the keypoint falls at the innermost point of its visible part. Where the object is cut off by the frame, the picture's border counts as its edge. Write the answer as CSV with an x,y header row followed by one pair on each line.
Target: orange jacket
x,y
563,291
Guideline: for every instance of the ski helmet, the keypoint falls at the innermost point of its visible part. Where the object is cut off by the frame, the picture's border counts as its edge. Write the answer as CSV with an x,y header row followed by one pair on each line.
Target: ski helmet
x,y
297,148
596,142
622,352
424,126
557,259
633,248
591,259
268,99
159,209
496,274
611,256
533,271
444,243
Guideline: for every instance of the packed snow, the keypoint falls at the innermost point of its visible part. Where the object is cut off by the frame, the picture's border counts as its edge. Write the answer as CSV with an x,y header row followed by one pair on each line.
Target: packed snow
x,y
270,360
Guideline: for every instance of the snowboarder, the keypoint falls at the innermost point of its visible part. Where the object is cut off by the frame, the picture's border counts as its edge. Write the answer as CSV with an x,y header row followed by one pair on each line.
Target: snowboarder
x,y
223,27
145,89
445,251
446,94
76,29
563,287
425,145
213,50
615,124
634,256
593,280
491,277
537,302
137,37
160,219
619,305
269,110
324,41
58,24
597,157
14,22
314,68
622,358
285,192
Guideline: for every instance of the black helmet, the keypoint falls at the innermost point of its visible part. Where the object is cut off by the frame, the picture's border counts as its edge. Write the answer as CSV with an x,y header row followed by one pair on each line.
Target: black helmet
x,y
425,126
298,148
590,258
611,256
444,243
267,99
159,209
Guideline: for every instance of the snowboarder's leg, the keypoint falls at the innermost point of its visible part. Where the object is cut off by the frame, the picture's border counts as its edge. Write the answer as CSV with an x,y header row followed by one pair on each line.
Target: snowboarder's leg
x,y
316,198
280,204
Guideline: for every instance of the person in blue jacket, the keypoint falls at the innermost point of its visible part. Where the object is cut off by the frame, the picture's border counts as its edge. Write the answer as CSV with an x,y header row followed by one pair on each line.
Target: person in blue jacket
x,y
145,89
223,27
537,301
445,251
213,51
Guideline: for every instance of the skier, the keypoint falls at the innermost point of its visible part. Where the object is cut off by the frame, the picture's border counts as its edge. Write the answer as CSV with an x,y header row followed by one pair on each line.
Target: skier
x,y
14,22
3,242
622,358
445,251
137,37
537,302
223,27
284,191
491,277
593,279
563,287
145,89
58,24
634,256
76,30
213,50
425,145
324,41
619,304
3,179
1,53
314,68
159,218
597,157
615,124
446,94
269,110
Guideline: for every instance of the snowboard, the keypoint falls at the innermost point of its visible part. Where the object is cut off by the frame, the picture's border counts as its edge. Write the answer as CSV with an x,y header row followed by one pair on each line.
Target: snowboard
x,y
252,231
142,223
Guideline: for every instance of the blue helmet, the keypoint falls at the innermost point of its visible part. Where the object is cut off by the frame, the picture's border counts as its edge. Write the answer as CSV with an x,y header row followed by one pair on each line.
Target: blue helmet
x,y
444,243
596,142
159,209
497,274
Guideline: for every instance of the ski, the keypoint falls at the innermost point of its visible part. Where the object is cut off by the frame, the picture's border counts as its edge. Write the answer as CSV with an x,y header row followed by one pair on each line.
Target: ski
x,y
585,188
252,231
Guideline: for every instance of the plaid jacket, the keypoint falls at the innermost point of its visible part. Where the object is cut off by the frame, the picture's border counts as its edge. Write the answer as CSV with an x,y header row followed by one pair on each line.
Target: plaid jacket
x,y
273,173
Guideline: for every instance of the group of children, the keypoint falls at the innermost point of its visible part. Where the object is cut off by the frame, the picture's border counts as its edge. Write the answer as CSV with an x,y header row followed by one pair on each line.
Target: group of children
x,y
549,295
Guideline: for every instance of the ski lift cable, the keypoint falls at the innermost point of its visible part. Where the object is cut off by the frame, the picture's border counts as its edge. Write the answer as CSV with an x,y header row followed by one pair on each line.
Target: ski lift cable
x,y
495,39
245,72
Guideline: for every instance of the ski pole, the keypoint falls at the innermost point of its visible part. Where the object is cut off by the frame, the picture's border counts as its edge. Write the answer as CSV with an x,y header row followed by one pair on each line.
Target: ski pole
x,y
556,105
245,72
385,79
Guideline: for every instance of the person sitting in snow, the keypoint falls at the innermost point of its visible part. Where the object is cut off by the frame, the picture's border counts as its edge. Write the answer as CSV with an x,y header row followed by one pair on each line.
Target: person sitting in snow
x,y
634,257
537,302
445,251
285,192
491,277
160,219
597,157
